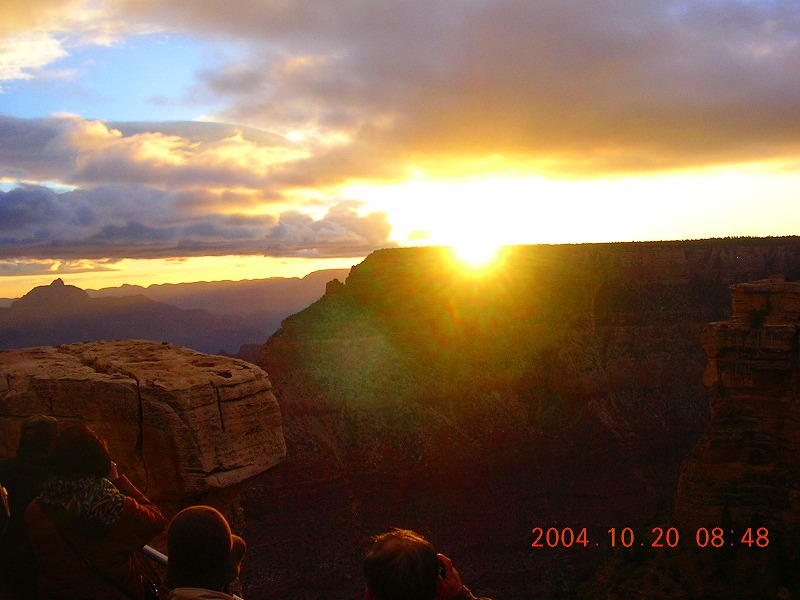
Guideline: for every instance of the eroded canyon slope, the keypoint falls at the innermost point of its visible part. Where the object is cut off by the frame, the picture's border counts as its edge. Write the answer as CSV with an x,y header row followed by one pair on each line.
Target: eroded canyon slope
x,y
563,387
737,505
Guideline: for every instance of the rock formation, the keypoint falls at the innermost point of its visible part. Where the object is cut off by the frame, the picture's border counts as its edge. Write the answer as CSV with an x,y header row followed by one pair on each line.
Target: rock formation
x,y
737,505
184,426
561,388
748,463
744,475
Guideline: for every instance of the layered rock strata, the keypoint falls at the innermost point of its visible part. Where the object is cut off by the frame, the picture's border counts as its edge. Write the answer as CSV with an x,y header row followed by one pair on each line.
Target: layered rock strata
x,y
746,469
737,506
185,427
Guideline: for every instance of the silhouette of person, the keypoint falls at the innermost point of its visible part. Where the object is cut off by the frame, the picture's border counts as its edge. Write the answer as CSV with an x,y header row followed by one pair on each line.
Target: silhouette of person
x,y
23,477
204,556
88,522
403,565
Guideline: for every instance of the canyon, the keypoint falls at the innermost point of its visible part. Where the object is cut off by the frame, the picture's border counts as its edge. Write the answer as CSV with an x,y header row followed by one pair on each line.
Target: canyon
x,y
563,387
579,386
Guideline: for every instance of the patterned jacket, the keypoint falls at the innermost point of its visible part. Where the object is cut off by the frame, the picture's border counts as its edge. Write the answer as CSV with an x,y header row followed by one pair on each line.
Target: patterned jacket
x,y
102,521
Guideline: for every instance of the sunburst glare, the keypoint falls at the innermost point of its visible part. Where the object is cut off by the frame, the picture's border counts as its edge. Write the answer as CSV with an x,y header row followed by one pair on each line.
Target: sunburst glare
x,y
475,254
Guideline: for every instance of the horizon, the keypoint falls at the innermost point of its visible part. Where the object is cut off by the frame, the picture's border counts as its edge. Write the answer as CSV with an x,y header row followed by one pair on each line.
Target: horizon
x,y
149,144
480,263
44,281
147,273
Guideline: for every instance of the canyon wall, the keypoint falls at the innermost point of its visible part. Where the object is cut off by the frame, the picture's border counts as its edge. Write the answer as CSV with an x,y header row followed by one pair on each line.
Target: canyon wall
x,y
737,507
743,477
185,427
562,387
748,462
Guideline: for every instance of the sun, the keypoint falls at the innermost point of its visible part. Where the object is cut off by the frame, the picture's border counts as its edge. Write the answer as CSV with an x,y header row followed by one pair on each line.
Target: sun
x,y
476,254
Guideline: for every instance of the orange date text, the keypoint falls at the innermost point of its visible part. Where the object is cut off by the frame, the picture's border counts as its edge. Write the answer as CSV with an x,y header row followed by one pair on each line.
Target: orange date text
x,y
657,537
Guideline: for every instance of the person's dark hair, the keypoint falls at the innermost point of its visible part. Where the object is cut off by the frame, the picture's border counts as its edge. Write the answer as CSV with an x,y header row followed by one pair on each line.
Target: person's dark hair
x,y
402,565
80,451
203,553
37,434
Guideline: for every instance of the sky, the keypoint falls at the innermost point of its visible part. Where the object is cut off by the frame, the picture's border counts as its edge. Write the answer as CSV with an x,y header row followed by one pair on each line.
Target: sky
x,y
152,142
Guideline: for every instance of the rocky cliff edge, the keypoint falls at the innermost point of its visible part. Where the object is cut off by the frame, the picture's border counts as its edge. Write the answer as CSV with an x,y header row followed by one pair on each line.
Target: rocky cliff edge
x,y
184,426
747,467
737,506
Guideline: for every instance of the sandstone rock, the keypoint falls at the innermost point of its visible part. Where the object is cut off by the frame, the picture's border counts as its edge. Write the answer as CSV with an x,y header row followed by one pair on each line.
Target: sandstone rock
x,y
179,423
741,480
737,506
747,464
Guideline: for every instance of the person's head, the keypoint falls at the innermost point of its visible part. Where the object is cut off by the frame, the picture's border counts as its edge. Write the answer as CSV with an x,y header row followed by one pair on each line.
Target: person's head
x,y
37,434
79,451
201,550
401,565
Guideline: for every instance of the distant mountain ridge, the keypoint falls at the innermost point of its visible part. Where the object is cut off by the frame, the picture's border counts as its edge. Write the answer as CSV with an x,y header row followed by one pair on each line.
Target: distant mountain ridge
x,y
211,317
263,302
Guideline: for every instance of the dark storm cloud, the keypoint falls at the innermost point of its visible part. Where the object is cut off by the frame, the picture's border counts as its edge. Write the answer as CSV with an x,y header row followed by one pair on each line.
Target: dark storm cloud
x,y
567,85
28,208
34,149
140,222
177,155
341,232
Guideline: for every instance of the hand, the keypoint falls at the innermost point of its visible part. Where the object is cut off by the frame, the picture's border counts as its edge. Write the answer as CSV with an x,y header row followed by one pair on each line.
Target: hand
x,y
113,473
450,585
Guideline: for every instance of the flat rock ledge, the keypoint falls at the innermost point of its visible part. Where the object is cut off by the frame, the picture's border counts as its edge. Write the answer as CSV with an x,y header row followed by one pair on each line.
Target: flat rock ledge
x,y
181,425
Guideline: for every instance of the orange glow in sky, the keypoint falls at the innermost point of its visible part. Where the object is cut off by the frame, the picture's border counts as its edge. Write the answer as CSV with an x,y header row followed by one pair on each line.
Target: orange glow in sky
x,y
492,211
140,144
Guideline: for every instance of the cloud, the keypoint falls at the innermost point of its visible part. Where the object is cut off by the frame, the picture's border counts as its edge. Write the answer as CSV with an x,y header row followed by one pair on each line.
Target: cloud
x,y
27,54
28,267
153,157
140,222
170,190
342,232
591,88
36,14
75,151
34,149
559,87
317,95
36,33
203,163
